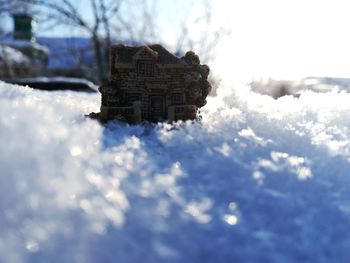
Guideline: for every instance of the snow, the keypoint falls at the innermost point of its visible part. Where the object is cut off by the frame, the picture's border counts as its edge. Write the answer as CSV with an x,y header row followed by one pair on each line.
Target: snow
x,y
25,44
278,88
12,55
257,180
57,83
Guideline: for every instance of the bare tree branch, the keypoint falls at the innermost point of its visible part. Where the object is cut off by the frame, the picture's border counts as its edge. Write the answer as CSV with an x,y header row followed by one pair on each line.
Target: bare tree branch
x,y
134,21
64,11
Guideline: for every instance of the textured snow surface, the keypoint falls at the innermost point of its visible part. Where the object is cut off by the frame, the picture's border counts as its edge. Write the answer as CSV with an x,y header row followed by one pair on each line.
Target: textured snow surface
x,y
258,180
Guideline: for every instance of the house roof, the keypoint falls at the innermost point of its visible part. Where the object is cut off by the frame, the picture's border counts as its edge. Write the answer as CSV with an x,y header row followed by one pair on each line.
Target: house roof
x,y
125,54
12,55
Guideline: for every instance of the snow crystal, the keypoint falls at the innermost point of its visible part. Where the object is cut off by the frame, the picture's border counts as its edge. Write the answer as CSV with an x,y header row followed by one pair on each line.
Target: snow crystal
x,y
257,180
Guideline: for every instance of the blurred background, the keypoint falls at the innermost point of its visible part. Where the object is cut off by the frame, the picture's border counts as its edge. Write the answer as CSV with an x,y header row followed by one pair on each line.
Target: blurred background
x,y
71,38
276,46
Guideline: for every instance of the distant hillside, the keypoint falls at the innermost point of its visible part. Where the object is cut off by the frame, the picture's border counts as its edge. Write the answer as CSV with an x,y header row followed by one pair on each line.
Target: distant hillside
x,y
68,53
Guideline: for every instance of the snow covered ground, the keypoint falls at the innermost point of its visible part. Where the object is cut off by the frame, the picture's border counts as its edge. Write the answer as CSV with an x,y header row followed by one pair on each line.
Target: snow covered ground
x,y
258,180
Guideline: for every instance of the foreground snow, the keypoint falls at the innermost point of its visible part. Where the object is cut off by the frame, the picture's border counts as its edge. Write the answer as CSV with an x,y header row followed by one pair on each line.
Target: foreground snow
x,y
258,180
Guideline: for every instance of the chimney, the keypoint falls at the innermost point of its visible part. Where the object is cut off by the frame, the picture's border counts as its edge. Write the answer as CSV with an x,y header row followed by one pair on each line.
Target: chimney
x,y
23,27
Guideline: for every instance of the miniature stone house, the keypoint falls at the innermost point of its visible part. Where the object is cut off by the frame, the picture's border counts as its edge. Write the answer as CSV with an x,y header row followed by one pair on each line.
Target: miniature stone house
x,y
149,83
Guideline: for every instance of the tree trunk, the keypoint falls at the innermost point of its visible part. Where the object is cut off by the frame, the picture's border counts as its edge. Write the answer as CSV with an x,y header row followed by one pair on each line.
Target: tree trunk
x,y
100,59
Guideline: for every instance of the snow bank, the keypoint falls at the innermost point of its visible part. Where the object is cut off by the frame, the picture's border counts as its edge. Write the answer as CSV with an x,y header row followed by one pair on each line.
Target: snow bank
x,y
11,55
258,180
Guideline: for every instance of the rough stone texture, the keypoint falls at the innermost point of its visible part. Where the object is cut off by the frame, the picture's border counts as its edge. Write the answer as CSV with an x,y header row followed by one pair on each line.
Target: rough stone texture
x,y
148,83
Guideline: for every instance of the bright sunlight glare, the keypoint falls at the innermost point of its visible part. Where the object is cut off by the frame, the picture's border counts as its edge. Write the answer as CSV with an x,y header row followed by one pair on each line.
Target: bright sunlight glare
x,y
287,39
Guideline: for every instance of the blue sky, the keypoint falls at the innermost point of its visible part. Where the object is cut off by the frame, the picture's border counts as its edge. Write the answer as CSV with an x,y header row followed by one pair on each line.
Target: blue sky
x,y
285,39
166,13
282,39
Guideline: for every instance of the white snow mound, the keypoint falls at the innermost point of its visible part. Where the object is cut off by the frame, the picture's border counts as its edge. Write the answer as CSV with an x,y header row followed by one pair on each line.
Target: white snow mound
x,y
257,180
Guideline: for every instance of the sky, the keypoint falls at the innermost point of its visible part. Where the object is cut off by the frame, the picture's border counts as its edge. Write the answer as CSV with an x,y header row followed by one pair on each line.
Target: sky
x,y
285,39
281,39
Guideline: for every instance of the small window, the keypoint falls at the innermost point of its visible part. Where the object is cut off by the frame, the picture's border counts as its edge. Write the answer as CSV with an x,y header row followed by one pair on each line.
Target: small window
x,y
177,98
145,68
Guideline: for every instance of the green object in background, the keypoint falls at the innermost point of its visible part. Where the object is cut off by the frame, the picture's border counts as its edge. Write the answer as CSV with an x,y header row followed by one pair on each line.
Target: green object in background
x,y
23,27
